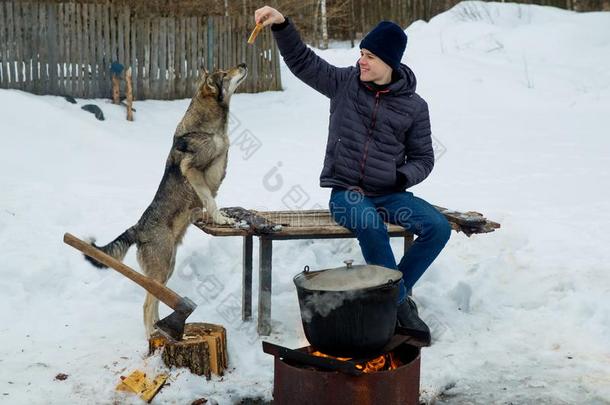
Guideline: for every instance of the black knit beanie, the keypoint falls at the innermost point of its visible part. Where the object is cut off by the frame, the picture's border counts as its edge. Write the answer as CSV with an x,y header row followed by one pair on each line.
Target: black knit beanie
x,y
387,41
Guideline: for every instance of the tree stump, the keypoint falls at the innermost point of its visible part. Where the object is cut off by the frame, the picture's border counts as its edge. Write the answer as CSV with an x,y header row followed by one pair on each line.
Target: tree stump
x,y
203,349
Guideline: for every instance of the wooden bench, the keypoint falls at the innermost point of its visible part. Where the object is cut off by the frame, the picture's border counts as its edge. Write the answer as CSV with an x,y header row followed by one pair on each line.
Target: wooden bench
x,y
306,224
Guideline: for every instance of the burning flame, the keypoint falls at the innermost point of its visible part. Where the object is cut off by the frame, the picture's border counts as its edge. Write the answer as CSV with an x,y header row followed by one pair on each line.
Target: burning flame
x,y
320,354
382,363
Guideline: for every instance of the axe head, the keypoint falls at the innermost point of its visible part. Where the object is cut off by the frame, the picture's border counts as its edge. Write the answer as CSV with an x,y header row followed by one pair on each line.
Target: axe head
x,y
172,326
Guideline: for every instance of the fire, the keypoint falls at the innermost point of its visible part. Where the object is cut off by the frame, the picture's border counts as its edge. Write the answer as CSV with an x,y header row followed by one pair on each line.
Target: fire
x,y
382,363
320,354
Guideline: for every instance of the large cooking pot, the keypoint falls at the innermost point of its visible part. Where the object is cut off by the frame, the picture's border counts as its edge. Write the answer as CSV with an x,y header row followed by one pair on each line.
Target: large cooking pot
x,y
348,311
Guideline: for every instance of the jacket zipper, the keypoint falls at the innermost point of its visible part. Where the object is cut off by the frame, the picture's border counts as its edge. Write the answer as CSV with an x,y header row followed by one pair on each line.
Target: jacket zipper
x,y
370,133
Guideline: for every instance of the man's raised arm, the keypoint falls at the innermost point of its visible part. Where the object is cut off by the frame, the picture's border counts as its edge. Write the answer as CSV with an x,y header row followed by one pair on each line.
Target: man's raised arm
x,y
301,60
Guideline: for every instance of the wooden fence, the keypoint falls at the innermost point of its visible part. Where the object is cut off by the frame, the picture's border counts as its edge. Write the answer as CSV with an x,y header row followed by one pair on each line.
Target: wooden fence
x,y
67,49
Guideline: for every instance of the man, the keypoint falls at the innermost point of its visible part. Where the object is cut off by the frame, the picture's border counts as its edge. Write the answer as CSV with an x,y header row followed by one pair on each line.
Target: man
x,y
379,144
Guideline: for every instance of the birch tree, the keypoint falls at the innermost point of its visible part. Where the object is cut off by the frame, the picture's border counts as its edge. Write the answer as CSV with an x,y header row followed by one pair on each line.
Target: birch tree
x,y
324,24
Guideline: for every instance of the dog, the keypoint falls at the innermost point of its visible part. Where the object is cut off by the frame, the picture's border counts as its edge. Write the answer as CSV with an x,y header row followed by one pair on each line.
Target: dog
x,y
194,170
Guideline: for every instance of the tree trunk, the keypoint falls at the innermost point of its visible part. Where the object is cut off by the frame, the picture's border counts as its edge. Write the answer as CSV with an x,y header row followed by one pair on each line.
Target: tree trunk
x,y
324,24
363,27
203,349
315,39
352,23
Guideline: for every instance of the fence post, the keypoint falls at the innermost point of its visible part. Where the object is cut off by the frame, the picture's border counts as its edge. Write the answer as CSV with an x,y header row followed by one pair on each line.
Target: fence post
x,y
210,61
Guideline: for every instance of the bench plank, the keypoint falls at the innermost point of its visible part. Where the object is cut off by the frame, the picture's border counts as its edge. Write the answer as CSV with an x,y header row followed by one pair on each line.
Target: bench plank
x,y
306,224
320,223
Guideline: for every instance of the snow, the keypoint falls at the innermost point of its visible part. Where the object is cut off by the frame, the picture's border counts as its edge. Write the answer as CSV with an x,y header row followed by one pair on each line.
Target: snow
x,y
519,99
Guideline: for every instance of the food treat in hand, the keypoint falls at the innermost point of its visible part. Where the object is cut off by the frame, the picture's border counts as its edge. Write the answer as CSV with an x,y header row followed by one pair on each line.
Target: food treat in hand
x,y
255,32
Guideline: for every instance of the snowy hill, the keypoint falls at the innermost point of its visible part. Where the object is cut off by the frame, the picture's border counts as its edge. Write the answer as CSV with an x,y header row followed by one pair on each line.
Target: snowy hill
x,y
520,105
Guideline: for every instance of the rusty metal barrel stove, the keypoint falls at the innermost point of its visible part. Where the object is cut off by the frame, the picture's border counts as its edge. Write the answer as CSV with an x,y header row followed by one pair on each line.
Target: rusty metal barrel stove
x,y
296,384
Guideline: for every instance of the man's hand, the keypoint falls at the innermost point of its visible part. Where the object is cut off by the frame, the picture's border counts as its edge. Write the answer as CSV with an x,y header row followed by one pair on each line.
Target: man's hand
x,y
268,15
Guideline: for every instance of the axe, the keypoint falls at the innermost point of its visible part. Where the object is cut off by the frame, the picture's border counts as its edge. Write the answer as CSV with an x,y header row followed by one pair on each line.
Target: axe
x,y
171,326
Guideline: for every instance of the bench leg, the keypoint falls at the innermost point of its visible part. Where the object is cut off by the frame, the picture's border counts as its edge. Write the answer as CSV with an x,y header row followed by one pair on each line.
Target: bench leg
x,y
264,286
246,281
408,243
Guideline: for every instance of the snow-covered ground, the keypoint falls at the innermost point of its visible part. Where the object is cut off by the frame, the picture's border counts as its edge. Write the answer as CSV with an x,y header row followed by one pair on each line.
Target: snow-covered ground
x,y
520,106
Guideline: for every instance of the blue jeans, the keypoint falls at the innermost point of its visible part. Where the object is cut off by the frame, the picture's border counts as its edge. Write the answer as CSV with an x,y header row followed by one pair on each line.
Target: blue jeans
x,y
365,217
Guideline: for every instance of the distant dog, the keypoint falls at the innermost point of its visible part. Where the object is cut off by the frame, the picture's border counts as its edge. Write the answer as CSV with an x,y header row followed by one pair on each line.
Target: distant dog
x,y
195,168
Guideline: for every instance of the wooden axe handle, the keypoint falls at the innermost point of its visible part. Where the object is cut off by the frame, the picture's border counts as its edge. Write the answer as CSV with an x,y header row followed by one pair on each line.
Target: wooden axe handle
x,y
169,297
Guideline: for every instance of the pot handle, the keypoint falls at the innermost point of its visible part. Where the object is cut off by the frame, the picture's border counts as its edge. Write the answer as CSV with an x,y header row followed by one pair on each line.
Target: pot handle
x,y
388,285
348,263
306,269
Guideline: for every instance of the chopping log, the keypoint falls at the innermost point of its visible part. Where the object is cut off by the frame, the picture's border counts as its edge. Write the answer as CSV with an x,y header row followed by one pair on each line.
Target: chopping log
x,y
203,349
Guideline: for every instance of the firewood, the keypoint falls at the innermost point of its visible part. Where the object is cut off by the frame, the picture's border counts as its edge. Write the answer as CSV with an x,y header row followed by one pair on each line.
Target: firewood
x,y
138,383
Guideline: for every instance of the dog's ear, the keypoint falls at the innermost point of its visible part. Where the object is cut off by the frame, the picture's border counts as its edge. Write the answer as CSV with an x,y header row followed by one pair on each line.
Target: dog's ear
x,y
214,85
210,83
204,75
202,78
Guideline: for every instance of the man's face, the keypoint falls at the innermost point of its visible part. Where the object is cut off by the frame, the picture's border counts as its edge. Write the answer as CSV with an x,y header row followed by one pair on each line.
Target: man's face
x,y
372,69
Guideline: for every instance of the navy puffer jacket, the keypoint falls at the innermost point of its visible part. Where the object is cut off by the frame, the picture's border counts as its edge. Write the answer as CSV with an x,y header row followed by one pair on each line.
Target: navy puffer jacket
x,y
374,137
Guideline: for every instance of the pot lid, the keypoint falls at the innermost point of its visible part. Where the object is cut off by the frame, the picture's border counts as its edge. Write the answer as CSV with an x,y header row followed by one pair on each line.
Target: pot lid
x,y
348,277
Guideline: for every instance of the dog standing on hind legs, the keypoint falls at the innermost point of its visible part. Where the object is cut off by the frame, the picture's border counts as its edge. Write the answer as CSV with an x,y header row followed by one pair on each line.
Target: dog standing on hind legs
x,y
195,168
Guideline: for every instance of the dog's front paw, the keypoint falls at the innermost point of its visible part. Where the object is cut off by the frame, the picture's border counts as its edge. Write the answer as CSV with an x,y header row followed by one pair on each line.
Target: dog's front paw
x,y
221,219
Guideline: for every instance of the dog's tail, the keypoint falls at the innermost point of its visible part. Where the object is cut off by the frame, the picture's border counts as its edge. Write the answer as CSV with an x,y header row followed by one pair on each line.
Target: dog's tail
x,y
117,248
